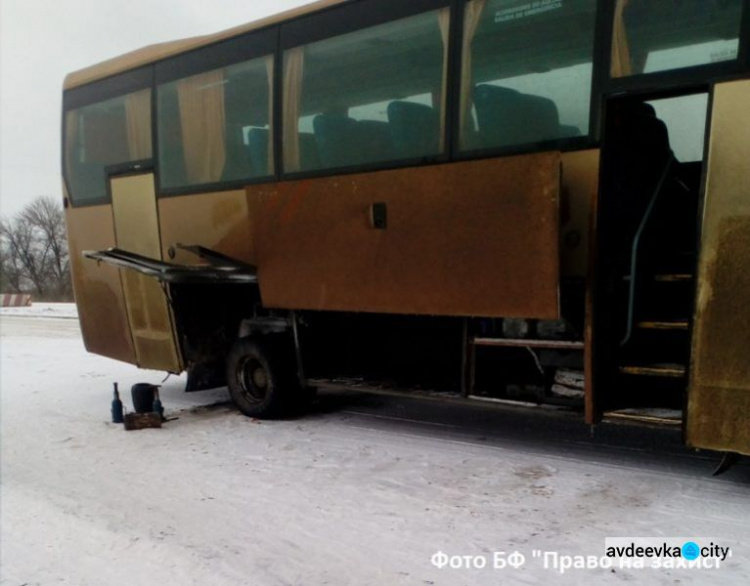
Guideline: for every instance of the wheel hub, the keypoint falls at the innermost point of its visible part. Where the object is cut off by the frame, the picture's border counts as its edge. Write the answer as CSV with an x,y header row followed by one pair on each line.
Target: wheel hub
x,y
254,380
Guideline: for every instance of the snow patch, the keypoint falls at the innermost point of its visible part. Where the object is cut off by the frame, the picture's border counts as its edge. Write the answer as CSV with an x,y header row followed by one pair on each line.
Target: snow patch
x,y
54,310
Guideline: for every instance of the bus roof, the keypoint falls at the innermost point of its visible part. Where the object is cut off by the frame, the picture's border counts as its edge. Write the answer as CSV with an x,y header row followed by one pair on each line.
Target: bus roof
x,y
153,53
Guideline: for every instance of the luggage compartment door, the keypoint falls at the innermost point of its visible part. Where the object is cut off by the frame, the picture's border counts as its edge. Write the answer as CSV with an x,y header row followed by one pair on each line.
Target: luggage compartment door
x,y
137,231
719,395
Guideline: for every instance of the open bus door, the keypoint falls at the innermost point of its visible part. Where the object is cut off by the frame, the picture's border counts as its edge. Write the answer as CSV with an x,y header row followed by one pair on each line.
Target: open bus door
x,y
719,392
137,231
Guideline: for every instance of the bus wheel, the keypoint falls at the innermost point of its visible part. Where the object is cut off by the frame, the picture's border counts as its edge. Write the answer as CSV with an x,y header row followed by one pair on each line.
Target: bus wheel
x,y
256,379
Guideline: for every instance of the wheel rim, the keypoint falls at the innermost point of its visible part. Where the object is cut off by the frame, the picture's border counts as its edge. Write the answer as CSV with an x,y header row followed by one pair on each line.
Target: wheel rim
x,y
253,379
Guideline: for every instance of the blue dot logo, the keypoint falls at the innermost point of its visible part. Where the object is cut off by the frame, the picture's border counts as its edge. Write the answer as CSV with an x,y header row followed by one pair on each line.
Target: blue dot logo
x,y
690,550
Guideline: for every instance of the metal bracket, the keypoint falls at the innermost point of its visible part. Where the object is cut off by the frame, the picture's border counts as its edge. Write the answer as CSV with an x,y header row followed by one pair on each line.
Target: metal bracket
x,y
263,326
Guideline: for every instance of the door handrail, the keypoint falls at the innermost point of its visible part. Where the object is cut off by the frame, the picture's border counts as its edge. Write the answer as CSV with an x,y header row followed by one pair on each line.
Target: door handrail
x,y
636,248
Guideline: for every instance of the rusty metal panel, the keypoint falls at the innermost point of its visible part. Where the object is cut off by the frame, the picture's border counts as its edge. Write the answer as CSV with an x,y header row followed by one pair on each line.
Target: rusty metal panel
x,y
218,221
719,395
478,238
592,405
137,230
580,184
98,292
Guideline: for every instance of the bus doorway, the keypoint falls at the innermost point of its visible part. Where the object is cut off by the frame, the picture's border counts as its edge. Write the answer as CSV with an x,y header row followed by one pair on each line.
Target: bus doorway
x,y
647,254
137,230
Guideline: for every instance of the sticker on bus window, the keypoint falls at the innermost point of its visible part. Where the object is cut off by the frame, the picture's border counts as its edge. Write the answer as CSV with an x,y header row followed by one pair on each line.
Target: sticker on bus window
x,y
526,9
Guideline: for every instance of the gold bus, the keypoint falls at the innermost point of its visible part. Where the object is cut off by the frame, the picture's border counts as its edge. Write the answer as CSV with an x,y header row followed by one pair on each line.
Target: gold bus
x,y
540,201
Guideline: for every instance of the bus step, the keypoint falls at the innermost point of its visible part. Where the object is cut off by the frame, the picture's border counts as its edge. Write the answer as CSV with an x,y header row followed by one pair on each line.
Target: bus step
x,y
647,415
668,278
674,278
671,325
656,370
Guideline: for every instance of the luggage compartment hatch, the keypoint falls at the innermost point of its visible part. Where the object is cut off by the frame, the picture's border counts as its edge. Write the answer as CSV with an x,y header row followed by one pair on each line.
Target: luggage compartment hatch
x,y
220,269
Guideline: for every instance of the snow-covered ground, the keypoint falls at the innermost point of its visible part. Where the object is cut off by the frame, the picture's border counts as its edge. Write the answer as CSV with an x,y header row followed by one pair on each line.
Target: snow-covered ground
x,y
56,310
346,496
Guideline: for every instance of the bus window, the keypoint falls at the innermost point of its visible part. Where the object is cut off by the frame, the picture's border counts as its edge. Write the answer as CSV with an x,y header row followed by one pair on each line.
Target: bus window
x,y
685,118
659,36
107,133
527,72
216,126
370,96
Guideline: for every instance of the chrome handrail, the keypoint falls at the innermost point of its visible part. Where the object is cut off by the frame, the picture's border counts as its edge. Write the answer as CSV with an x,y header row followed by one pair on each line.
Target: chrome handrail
x,y
635,251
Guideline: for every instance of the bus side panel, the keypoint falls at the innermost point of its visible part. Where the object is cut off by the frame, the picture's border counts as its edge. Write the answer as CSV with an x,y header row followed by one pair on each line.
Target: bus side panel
x,y
719,395
97,287
478,238
215,220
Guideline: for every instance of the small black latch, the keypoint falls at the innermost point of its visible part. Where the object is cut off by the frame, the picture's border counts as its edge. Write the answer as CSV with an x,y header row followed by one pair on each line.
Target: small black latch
x,y
379,216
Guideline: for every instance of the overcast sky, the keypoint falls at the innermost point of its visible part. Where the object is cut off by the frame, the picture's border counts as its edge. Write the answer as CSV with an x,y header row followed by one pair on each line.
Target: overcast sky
x,y
43,40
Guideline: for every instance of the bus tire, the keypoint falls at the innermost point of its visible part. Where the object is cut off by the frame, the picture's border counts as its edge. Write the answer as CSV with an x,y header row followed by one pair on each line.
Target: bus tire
x,y
259,384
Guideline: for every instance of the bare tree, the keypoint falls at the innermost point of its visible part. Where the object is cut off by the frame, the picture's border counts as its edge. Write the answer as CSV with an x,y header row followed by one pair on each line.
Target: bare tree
x,y
11,276
47,219
34,251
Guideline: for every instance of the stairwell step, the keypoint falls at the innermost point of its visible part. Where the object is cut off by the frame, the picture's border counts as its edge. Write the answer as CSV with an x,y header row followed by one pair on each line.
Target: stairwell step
x,y
668,278
673,278
658,370
648,415
673,325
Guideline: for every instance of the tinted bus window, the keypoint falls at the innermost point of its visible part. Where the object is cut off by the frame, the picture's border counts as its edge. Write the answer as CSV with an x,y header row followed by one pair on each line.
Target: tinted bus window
x,y
370,96
216,126
527,70
658,36
107,133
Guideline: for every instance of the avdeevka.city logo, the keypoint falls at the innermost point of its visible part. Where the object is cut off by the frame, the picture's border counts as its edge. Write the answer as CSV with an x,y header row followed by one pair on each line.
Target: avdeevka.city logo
x,y
669,547
691,550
